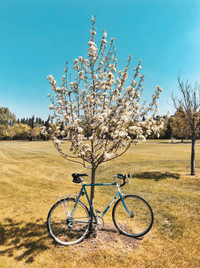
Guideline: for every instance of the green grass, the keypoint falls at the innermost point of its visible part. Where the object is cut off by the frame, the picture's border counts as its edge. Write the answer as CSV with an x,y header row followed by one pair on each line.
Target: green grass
x,y
33,174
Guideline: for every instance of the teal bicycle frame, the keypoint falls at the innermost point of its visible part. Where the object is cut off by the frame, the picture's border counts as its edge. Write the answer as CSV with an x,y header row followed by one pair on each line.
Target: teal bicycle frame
x,y
83,190
69,221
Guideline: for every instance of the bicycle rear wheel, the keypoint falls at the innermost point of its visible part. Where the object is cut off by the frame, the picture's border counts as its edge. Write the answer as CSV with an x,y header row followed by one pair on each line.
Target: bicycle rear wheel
x,y
135,219
67,228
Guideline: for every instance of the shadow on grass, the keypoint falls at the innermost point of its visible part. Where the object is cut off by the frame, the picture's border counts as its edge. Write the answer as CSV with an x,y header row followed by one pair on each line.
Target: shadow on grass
x,y
23,241
156,176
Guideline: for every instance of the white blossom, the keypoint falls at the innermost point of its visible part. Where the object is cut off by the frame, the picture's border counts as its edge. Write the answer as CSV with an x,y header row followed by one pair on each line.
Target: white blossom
x,y
109,155
51,107
99,110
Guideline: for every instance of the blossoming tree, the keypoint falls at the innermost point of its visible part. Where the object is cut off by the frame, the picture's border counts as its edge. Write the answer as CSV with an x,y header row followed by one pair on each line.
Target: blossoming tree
x,y
99,104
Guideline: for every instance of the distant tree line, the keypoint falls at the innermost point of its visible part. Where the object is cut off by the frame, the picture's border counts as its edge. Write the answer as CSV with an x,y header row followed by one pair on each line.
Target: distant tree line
x,y
12,128
30,128
30,121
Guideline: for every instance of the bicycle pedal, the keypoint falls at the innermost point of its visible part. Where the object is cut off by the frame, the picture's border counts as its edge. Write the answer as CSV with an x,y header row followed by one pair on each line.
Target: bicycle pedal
x,y
95,235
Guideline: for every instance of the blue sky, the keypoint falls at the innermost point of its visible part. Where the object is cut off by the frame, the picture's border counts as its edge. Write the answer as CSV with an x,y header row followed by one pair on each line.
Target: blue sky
x,y
39,36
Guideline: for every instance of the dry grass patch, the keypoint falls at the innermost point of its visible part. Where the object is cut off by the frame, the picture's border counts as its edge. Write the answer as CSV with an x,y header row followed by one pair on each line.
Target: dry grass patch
x,y
33,174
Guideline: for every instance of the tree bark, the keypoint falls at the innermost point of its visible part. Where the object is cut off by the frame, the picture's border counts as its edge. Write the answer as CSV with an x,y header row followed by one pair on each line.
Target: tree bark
x,y
193,157
92,190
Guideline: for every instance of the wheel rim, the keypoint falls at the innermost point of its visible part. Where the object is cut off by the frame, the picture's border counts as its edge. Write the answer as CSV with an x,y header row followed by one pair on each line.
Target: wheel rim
x,y
137,220
67,230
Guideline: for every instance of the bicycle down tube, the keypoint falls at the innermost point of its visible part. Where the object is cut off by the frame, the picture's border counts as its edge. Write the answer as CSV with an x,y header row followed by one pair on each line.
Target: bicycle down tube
x,y
91,207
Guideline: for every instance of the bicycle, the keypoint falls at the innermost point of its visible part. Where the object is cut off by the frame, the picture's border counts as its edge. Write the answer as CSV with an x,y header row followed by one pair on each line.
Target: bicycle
x,y
69,220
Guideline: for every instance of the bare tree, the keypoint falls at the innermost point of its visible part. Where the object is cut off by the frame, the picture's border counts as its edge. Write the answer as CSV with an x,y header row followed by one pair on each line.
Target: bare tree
x,y
188,104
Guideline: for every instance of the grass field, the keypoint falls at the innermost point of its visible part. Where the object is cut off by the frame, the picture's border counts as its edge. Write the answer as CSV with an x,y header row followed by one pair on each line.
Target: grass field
x,y
33,174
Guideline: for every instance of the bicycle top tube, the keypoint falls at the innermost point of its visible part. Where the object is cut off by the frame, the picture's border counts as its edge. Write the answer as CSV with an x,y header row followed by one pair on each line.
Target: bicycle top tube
x,y
99,184
77,179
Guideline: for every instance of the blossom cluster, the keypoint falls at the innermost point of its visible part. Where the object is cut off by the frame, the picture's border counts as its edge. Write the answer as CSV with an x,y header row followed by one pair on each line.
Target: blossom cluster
x,y
99,112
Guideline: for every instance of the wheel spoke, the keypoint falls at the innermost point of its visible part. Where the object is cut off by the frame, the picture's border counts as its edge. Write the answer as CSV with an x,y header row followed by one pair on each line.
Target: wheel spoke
x,y
62,227
136,224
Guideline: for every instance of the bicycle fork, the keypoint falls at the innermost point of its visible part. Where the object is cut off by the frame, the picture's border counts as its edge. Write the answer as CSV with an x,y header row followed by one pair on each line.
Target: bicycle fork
x,y
127,210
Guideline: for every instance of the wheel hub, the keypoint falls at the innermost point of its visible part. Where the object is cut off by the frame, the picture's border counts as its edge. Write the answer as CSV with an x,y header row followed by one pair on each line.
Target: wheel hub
x,y
69,222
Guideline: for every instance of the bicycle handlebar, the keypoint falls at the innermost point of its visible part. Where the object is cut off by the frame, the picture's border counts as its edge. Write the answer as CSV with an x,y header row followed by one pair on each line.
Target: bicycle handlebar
x,y
77,178
125,178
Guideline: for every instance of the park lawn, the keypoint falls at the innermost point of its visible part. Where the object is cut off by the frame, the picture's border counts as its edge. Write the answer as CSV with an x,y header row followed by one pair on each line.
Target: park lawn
x,y
33,174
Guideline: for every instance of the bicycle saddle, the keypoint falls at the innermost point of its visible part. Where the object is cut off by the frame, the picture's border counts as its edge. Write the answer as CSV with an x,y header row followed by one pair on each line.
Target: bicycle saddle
x,y
77,177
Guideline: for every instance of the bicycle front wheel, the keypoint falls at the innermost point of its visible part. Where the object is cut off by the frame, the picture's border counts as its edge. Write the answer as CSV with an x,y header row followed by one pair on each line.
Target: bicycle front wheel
x,y
68,222
134,217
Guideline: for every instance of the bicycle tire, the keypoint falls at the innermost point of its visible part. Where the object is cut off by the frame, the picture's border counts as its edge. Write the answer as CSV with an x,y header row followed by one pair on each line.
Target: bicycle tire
x,y
139,222
65,229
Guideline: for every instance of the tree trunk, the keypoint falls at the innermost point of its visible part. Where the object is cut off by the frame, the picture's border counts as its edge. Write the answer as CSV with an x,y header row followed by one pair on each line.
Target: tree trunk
x,y
92,190
193,157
